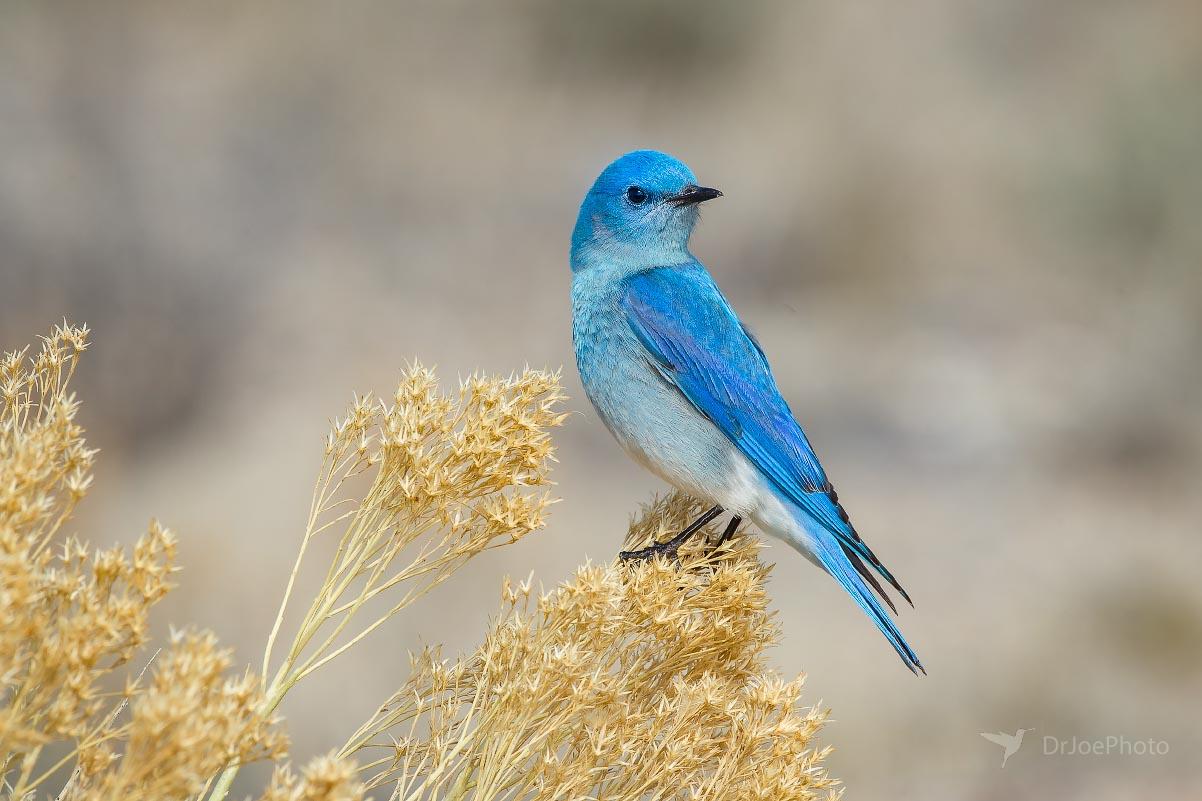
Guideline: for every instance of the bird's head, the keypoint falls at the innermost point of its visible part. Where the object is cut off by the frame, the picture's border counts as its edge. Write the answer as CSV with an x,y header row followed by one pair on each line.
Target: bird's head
x,y
639,212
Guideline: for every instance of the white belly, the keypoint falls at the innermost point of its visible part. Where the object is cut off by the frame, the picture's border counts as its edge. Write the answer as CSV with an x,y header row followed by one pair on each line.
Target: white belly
x,y
750,494
713,469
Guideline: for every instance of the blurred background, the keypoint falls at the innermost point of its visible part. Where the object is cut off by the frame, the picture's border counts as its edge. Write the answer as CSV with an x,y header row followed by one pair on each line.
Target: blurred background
x,y
968,234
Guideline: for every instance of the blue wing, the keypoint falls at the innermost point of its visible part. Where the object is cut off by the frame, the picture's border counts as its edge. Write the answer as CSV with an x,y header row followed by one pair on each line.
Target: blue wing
x,y
697,344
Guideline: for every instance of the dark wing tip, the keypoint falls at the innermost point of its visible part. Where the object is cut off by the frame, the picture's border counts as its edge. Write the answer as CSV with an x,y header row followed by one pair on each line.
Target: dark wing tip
x,y
867,553
866,574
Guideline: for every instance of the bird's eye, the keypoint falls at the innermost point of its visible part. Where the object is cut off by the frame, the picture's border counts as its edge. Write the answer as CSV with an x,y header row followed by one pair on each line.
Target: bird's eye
x,y
636,195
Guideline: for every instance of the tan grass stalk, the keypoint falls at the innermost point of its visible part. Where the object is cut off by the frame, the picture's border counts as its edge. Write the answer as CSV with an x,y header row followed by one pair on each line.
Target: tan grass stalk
x,y
644,681
447,478
72,616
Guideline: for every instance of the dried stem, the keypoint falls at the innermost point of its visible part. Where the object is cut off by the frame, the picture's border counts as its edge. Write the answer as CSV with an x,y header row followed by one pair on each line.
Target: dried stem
x,y
626,682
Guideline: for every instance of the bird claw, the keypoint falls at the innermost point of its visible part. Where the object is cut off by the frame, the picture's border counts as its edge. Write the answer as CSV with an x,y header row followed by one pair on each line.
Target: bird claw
x,y
669,548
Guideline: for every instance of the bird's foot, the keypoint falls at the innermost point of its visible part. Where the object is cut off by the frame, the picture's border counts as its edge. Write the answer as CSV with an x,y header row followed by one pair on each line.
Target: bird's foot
x,y
731,527
672,547
669,548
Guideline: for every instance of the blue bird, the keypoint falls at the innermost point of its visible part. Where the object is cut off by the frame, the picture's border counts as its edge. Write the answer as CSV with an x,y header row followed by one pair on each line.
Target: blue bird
x,y
687,391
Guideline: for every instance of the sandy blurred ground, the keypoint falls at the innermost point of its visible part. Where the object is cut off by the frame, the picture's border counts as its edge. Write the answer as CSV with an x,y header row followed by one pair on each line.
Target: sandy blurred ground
x,y
967,233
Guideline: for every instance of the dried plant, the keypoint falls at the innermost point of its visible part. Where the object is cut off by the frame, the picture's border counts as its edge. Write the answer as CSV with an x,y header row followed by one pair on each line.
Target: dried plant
x,y
325,778
642,681
70,617
638,681
447,478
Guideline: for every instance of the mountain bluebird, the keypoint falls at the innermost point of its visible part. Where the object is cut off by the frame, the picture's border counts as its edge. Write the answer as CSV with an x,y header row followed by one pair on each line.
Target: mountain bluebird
x,y
687,391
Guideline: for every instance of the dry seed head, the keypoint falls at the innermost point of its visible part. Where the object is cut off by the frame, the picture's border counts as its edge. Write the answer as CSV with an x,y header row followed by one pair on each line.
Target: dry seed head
x,y
65,620
190,720
627,682
430,480
325,778
69,617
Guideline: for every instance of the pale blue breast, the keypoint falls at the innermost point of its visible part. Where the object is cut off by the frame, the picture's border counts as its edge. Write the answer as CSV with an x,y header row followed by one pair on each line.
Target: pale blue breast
x,y
652,421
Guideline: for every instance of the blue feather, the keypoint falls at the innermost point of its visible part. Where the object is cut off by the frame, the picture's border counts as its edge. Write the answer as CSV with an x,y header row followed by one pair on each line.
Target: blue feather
x,y
843,571
682,384
698,344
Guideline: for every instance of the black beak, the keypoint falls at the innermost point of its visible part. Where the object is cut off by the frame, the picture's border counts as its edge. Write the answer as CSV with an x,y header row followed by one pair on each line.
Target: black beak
x,y
694,194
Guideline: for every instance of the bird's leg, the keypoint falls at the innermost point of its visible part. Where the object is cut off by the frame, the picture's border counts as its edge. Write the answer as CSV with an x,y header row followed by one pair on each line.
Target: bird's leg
x,y
731,527
671,546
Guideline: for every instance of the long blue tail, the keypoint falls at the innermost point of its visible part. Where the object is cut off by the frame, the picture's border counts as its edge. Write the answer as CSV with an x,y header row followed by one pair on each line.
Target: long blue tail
x,y
842,565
